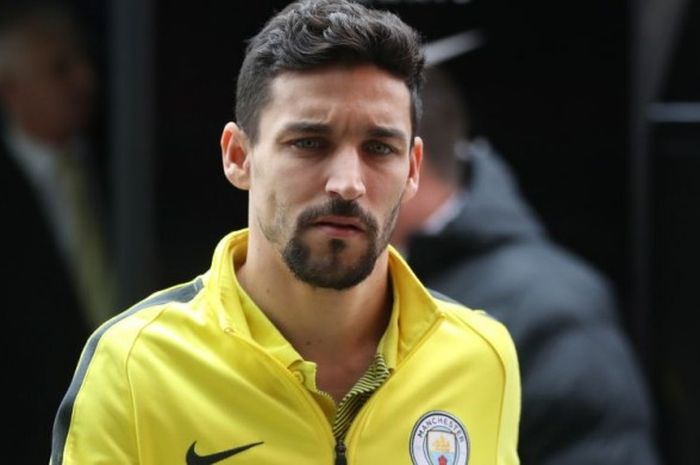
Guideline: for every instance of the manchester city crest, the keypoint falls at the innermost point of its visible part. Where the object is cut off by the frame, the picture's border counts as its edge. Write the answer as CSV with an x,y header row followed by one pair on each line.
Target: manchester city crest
x,y
439,438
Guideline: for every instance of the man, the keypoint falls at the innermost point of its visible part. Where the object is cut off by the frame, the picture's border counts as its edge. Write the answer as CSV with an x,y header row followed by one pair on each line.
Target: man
x,y
584,399
51,289
308,340
47,86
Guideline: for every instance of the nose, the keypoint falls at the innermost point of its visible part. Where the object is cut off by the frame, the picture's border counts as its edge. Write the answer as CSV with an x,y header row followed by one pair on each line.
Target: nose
x,y
345,177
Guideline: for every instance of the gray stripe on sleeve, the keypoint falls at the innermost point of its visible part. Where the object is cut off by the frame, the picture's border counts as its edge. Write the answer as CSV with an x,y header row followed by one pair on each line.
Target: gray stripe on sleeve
x,y
183,293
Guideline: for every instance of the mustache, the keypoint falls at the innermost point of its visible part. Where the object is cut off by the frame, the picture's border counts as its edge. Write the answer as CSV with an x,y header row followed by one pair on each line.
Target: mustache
x,y
337,207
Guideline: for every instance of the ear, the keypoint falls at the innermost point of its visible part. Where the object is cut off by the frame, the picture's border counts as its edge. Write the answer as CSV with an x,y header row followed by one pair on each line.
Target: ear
x,y
415,159
235,151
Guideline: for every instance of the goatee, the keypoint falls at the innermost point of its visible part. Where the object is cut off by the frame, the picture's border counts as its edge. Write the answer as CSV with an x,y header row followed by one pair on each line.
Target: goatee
x,y
326,270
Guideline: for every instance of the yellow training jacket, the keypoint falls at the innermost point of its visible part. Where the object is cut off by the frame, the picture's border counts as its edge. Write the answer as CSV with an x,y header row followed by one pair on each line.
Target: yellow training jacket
x,y
178,380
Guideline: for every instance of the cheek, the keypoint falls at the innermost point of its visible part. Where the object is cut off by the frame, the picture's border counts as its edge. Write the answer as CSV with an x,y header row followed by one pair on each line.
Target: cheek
x,y
272,198
391,188
410,186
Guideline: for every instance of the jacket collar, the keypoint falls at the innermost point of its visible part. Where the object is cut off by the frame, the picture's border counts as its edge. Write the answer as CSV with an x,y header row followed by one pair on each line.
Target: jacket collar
x,y
413,312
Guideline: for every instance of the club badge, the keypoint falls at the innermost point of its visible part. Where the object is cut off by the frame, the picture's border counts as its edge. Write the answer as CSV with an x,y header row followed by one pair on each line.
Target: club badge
x,y
439,438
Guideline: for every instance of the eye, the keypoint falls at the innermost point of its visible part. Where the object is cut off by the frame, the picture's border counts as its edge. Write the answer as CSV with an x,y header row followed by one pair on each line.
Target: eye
x,y
379,148
308,144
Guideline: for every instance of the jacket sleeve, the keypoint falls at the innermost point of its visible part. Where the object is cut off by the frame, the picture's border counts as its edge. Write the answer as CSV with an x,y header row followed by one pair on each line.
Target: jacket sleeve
x,y
584,397
95,424
510,415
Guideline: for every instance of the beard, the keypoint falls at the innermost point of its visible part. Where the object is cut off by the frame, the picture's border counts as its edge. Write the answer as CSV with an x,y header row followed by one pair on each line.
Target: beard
x,y
326,269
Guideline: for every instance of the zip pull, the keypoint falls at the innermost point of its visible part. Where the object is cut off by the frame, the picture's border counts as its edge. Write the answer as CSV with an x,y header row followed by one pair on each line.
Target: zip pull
x,y
340,458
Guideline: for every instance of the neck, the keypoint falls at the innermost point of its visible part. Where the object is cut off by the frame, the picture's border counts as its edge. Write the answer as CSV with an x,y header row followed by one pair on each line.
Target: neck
x,y
58,142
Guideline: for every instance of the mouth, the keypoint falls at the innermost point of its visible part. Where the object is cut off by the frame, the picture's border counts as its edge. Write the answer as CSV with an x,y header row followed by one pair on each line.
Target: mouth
x,y
340,225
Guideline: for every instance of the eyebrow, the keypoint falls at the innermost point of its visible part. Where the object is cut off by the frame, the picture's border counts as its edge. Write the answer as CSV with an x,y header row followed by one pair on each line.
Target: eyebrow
x,y
382,132
308,127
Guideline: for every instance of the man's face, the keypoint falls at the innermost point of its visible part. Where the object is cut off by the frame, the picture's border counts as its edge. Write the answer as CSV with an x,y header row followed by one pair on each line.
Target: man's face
x,y
332,164
51,85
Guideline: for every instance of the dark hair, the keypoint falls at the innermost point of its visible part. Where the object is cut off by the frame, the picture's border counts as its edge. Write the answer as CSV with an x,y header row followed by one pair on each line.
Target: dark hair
x,y
20,19
311,34
446,123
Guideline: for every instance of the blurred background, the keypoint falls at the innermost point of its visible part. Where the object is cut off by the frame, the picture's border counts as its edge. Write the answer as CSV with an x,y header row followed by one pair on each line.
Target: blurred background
x,y
596,105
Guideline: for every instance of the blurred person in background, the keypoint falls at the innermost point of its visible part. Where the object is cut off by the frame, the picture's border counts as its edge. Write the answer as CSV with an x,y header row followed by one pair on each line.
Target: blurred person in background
x,y
55,278
469,234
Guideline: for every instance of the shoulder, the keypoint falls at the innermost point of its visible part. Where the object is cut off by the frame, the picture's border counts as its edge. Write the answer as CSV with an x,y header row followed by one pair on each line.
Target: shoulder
x,y
520,283
478,323
161,309
476,319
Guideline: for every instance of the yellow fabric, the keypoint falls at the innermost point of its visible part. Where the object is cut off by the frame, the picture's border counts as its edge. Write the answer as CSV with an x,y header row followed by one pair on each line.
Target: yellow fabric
x,y
262,331
180,372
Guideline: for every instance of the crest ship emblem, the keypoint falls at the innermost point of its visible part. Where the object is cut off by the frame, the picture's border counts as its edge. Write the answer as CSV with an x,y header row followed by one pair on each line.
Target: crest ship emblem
x,y
439,438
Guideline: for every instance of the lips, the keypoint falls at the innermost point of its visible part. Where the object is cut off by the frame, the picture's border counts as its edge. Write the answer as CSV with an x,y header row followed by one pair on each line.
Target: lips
x,y
338,217
341,222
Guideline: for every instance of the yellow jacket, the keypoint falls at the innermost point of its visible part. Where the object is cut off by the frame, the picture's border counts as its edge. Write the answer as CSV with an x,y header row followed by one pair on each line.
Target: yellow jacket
x,y
178,379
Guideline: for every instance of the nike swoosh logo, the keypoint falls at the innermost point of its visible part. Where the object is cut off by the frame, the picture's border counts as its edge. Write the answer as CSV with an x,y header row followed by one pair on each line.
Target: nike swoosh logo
x,y
195,459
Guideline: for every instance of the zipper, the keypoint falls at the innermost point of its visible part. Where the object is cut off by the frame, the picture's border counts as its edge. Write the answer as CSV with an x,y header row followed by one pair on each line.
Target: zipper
x,y
340,447
340,458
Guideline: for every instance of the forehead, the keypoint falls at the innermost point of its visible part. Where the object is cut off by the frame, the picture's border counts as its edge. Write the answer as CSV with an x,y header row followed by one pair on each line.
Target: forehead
x,y
363,94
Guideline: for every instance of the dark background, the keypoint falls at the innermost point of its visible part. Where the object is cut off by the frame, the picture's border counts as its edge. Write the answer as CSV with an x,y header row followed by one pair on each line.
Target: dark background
x,y
558,87
548,87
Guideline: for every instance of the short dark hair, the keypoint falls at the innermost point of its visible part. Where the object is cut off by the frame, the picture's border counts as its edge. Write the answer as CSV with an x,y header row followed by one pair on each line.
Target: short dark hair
x,y
445,125
312,34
